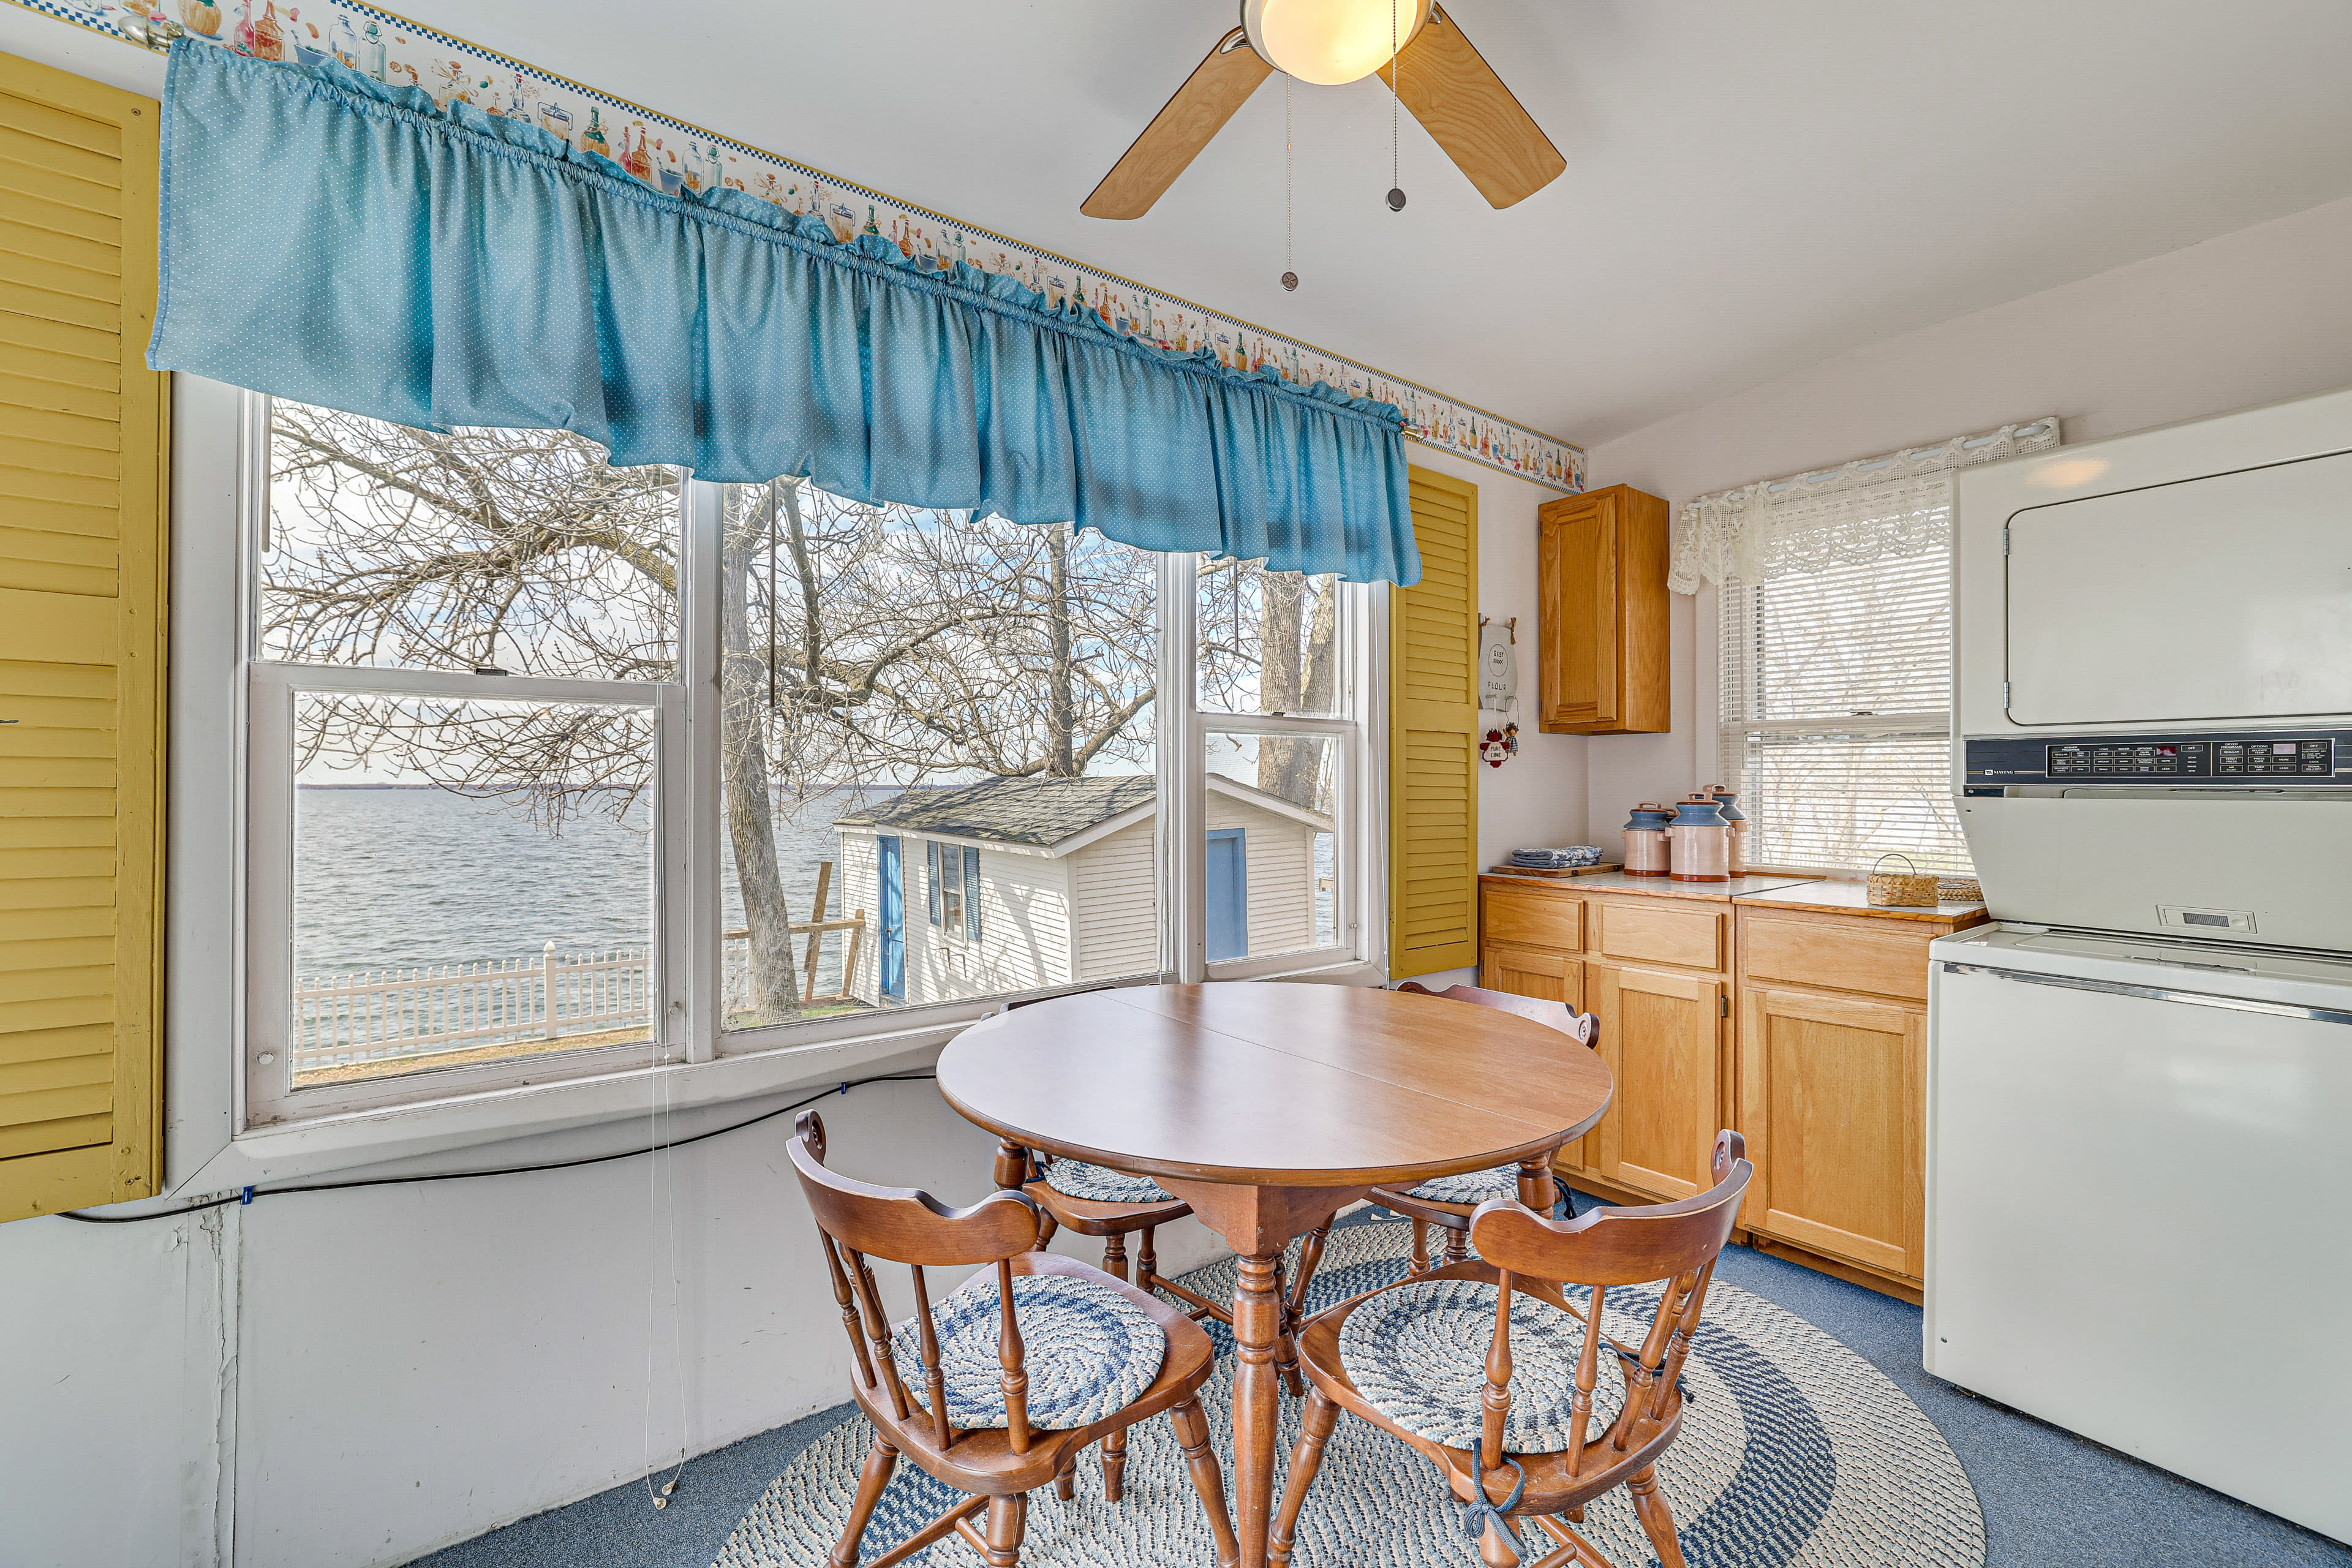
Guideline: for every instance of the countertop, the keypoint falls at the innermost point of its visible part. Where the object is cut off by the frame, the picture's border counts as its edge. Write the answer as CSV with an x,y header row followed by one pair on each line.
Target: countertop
x,y
1653,887
1853,898
1763,892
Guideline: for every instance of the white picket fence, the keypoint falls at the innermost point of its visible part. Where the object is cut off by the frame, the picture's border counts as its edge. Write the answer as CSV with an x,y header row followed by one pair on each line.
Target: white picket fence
x,y
343,1020
340,1020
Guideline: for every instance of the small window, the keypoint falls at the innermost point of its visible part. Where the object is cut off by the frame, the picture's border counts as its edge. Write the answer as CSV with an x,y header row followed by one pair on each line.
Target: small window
x,y
932,874
947,892
971,893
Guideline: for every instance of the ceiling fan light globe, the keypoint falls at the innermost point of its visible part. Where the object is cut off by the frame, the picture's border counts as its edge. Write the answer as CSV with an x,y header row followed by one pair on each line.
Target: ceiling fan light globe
x,y
1330,42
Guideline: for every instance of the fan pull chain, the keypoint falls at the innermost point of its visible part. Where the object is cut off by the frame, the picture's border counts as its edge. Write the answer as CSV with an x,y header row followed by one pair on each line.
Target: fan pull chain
x,y
1289,277
1396,183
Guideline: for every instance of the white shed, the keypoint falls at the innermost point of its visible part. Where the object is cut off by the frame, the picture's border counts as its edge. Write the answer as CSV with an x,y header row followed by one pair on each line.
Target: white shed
x,y
1014,884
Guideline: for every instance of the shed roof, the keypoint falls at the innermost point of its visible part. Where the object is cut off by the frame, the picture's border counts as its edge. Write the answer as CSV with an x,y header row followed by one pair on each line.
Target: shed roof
x,y
1042,814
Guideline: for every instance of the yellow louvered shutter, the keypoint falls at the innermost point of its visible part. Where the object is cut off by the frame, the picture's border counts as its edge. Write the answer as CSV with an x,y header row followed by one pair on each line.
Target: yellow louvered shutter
x,y
1434,737
82,445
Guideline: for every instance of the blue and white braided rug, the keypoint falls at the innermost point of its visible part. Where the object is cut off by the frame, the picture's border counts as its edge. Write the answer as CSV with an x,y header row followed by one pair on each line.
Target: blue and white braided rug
x,y
1794,1450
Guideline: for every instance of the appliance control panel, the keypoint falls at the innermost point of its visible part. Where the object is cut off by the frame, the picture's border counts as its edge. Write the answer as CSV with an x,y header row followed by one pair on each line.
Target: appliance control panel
x,y
2263,757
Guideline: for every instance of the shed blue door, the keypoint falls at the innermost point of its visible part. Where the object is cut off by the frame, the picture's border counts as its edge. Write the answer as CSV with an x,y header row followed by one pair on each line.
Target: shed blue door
x,y
894,922
1228,895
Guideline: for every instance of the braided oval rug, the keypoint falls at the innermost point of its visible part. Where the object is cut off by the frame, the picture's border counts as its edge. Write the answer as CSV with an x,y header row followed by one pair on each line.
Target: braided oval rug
x,y
1794,1450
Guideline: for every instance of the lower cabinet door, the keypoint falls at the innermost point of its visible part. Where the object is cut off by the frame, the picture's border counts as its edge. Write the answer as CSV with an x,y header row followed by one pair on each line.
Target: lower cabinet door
x,y
1833,1095
1659,1032
1532,972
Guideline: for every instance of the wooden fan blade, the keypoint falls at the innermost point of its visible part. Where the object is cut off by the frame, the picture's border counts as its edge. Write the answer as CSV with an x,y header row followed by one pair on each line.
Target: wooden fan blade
x,y
1218,85
1460,100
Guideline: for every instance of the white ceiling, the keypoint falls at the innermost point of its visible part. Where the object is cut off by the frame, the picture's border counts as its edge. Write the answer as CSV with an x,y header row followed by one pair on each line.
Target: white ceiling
x,y
1749,187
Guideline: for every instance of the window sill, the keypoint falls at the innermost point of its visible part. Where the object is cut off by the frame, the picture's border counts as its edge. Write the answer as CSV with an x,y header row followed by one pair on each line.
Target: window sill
x,y
413,1132
352,1141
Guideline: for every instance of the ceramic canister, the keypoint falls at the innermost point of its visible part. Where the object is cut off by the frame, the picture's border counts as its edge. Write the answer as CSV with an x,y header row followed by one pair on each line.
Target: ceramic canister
x,y
1728,800
1646,854
1701,848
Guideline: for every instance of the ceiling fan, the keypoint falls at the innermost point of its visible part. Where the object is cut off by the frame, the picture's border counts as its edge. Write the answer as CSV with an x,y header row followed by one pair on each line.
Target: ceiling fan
x,y
1439,77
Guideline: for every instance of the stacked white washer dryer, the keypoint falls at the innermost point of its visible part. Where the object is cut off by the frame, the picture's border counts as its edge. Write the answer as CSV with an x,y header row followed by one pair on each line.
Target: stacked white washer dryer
x,y
2139,1191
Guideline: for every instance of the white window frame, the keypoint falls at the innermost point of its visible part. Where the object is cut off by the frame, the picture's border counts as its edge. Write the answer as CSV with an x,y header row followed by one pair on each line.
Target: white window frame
x,y
277,1134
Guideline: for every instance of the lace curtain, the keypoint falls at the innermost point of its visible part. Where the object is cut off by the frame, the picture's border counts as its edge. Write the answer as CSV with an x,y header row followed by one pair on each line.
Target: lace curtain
x,y
1868,509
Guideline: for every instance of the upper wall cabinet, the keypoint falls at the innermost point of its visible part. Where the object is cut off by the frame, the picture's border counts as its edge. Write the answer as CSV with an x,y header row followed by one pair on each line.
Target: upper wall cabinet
x,y
1601,648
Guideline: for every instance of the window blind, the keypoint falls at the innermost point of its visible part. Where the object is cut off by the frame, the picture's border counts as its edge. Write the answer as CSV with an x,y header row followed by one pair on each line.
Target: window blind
x,y
1837,689
1835,612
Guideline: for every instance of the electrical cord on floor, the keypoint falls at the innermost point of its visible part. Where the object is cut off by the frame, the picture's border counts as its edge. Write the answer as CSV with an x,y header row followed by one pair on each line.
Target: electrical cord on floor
x,y
250,1193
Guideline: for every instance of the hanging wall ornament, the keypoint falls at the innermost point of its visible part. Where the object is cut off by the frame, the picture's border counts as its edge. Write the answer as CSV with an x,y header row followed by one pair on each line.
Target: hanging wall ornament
x,y
1500,746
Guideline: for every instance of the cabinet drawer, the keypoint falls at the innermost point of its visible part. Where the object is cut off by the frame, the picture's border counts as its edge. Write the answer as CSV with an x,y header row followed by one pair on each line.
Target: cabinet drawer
x,y
1656,930
1535,919
1837,957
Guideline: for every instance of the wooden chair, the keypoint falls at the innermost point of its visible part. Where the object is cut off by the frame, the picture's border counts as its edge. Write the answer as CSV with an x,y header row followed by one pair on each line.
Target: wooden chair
x,y
1094,1200
999,1413
1387,1356
1448,1202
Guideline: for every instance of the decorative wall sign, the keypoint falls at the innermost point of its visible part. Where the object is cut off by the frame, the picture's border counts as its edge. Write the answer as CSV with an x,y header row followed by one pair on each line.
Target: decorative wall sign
x,y
673,155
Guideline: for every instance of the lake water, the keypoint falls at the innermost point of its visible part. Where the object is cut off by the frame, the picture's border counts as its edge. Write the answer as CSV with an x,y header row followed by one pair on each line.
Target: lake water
x,y
406,877
401,878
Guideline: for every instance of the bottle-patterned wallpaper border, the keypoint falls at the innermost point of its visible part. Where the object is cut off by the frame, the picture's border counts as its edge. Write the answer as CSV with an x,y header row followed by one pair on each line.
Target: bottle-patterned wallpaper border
x,y
672,154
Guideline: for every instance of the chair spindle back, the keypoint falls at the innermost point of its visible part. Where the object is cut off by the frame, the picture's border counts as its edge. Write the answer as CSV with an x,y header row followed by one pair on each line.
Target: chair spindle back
x,y
856,1221
1677,1243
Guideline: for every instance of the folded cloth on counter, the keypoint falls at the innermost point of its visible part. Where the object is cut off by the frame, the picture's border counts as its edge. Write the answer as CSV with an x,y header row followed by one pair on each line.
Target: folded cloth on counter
x,y
1564,859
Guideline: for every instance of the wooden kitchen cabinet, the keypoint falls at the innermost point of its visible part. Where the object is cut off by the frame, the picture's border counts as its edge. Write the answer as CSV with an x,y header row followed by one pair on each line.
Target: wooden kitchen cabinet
x,y
1602,635
1661,1034
1833,1097
1821,1063
1832,1078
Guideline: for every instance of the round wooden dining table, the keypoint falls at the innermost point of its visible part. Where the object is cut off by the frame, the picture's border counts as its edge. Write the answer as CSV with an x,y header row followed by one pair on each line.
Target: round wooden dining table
x,y
1268,1107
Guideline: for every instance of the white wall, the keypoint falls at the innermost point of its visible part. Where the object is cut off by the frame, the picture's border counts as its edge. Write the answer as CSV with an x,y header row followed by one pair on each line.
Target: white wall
x,y
2250,318
382,1372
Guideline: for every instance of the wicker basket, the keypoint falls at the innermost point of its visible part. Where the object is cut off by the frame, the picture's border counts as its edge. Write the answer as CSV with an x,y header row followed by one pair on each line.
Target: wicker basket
x,y
1959,890
1901,890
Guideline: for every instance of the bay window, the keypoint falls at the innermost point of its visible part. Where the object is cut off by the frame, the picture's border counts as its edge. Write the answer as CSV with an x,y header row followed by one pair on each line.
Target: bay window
x,y
556,769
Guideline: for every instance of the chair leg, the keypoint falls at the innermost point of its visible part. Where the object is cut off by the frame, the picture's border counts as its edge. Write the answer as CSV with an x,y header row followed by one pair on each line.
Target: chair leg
x,y
1656,1518
881,1460
1420,1264
1065,1480
1008,1520
1146,1261
1307,1458
1046,1225
1114,1466
1457,1246
1285,1349
1192,1437
1114,1447
1310,1257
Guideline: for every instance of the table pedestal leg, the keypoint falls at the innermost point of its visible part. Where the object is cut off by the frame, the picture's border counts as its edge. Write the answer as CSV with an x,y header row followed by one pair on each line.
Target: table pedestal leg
x,y
1257,1223
1257,1324
1537,1188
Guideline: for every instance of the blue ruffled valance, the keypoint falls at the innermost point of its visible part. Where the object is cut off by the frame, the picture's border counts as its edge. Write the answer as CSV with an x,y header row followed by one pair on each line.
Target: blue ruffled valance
x,y
332,239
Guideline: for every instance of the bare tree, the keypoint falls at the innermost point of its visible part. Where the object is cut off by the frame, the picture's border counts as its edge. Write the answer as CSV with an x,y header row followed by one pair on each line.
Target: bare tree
x,y
1269,644
860,646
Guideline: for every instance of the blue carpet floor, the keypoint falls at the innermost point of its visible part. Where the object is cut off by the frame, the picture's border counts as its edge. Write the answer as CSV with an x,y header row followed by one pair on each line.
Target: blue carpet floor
x,y
2049,1496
